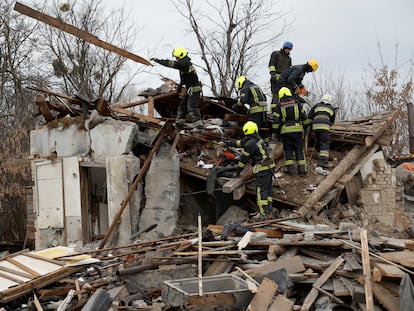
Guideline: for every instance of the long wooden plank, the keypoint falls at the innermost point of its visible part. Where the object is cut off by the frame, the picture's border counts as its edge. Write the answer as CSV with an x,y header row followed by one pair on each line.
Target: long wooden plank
x,y
313,294
366,266
49,20
389,270
387,299
134,114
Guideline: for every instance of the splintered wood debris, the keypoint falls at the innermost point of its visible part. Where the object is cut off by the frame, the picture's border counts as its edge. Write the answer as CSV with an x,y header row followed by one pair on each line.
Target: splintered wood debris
x,y
308,267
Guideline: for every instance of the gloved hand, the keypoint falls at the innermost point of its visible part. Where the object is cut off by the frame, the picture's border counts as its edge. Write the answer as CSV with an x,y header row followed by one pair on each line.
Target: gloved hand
x,y
297,90
236,106
303,91
273,78
237,170
155,59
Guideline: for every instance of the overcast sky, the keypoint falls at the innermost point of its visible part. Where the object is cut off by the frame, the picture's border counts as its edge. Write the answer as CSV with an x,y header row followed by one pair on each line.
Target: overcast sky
x,y
343,35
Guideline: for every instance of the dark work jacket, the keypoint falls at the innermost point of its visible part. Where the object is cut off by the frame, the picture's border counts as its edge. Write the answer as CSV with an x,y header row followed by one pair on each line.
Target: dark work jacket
x,y
188,74
279,61
293,76
289,116
322,116
252,95
254,149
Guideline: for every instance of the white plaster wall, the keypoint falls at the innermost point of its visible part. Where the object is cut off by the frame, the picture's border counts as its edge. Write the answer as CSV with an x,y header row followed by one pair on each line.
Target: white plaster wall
x,y
116,176
112,138
109,138
72,199
65,142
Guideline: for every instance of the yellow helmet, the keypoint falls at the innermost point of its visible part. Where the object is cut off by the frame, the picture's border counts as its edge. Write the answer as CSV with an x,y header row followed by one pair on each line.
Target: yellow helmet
x,y
179,52
250,128
314,64
240,81
284,91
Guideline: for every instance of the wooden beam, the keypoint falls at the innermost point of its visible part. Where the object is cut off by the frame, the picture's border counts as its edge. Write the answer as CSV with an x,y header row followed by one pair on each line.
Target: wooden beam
x,y
133,188
54,22
134,115
313,294
366,267
326,185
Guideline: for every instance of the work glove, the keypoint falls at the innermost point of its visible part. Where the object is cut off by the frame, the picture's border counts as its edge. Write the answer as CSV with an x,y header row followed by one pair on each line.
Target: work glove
x,y
237,170
303,91
229,143
297,90
155,59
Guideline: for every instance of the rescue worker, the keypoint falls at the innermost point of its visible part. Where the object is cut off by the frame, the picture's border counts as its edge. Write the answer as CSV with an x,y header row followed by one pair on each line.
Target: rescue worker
x,y
322,116
289,120
252,96
256,151
188,79
293,76
279,62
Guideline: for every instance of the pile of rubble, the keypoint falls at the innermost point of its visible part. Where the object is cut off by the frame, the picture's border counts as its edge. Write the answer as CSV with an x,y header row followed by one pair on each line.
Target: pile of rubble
x,y
341,242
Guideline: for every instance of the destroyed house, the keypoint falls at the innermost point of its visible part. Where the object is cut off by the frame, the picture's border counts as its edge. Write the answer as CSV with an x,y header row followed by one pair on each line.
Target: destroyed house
x,y
84,166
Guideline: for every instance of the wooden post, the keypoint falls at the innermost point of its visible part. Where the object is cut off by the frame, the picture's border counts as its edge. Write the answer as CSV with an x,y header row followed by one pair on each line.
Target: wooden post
x,y
133,188
366,267
410,116
200,257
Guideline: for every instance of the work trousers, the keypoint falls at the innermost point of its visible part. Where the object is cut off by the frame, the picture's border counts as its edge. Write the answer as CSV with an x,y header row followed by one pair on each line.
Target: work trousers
x,y
294,152
274,88
264,191
189,105
322,146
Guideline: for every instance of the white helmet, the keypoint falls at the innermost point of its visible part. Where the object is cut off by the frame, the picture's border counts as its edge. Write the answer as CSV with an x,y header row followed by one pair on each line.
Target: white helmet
x,y
327,98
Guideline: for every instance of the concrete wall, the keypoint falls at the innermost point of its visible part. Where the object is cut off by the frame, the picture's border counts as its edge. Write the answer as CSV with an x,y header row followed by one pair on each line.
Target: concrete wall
x,y
57,190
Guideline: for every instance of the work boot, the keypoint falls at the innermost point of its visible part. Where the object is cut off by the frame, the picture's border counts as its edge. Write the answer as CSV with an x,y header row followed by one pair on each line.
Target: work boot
x,y
199,124
259,217
302,170
323,162
179,124
290,170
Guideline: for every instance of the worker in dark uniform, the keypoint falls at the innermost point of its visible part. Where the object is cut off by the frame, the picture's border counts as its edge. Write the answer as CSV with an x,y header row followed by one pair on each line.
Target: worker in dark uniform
x,y
189,80
255,150
252,96
279,62
322,116
293,76
289,120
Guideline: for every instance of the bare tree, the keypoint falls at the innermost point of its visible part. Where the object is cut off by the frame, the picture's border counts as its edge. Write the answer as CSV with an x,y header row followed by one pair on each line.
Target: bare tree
x,y
17,59
232,36
80,67
391,87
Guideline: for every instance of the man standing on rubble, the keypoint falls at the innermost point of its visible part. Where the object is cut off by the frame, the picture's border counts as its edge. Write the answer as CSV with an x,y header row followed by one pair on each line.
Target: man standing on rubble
x,y
289,120
255,150
322,116
189,80
252,96
279,62
293,76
